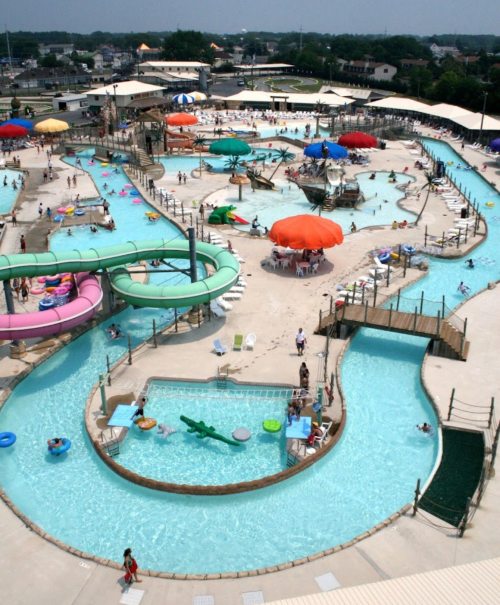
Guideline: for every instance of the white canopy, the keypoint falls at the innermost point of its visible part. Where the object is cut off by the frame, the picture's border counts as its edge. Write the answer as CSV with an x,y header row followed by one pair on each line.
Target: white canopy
x,y
473,122
450,112
400,103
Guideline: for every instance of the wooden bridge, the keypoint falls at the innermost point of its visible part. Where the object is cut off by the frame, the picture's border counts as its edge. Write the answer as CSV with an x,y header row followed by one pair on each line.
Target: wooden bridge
x,y
451,340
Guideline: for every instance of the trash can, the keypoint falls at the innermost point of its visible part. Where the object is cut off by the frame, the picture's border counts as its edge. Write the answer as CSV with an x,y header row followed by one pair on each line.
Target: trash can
x,y
383,144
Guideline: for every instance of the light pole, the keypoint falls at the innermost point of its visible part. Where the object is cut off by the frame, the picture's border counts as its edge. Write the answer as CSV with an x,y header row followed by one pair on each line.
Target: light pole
x,y
115,86
482,117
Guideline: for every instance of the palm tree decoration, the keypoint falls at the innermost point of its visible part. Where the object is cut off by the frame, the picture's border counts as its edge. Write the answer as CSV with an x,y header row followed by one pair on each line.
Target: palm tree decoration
x,y
198,142
157,138
284,156
430,179
233,163
219,132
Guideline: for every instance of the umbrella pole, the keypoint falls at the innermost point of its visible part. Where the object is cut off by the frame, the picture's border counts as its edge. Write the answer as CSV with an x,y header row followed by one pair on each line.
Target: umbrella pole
x,y
240,189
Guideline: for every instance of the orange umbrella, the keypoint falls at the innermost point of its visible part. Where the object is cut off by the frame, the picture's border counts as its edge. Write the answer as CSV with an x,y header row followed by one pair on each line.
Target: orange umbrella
x,y
182,119
306,231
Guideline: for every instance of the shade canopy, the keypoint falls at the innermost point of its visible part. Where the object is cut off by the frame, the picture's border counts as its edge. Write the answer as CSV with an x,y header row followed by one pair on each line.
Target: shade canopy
x,y
335,152
51,125
306,231
357,140
19,122
182,119
495,145
9,131
183,99
198,96
230,146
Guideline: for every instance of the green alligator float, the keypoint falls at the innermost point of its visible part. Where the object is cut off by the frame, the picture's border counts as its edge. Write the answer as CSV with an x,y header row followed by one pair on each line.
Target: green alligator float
x,y
206,431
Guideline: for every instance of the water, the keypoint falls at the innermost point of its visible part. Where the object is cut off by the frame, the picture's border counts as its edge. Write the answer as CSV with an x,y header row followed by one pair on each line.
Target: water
x,y
184,459
381,207
8,194
371,473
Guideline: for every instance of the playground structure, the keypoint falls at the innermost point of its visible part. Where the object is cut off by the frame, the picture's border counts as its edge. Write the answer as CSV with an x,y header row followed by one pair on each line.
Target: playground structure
x,y
177,140
57,320
225,216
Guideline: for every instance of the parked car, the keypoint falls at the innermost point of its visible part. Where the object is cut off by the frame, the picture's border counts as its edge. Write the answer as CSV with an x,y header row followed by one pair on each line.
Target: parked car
x,y
241,82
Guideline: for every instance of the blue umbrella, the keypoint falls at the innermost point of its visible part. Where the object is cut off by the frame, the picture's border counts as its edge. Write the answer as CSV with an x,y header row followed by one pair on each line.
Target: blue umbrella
x,y
183,99
335,152
495,145
18,122
123,126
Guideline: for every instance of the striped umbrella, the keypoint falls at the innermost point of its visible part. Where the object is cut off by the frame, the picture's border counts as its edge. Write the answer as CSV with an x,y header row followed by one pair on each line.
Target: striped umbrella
x,y
183,99
198,96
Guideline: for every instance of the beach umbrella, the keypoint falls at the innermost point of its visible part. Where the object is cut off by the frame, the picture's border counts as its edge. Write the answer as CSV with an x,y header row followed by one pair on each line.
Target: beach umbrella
x,y
306,231
240,180
357,140
335,152
51,125
495,145
18,122
182,119
198,96
230,146
10,131
183,99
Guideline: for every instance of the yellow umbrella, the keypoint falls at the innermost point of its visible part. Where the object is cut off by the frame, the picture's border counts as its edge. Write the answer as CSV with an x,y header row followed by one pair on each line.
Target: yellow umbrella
x,y
198,96
51,125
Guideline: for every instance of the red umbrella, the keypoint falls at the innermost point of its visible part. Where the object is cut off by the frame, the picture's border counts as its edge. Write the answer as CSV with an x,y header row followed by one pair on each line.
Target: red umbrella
x,y
9,131
357,139
306,231
182,119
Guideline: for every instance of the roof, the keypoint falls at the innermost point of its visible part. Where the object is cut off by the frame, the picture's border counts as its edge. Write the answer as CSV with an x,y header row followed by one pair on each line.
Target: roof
x,y
473,122
355,93
371,64
126,88
168,76
422,62
443,110
400,103
265,66
468,584
258,96
148,102
471,59
174,64
36,73
143,47
72,97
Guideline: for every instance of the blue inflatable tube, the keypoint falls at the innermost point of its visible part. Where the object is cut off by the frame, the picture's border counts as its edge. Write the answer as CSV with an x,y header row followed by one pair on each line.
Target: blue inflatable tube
x,y
66,444
383,258
408,249
79,212
7,439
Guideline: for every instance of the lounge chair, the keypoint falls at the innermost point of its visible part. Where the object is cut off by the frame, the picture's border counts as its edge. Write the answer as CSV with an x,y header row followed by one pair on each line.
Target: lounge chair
x,y
238,342
250,341
223,304
219,348
325,427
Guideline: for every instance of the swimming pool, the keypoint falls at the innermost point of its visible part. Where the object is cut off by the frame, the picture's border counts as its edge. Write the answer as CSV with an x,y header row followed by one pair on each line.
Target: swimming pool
x,y
370,474
8,194
381,207
184,459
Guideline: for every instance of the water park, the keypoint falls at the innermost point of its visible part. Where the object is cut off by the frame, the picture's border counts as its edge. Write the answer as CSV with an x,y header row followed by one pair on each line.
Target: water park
x,y
152,391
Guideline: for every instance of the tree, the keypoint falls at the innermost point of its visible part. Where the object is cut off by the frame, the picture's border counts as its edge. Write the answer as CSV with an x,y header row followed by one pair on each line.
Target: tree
x,y
430,178
284,156
445,89
50,61
198,142
187,46
420,80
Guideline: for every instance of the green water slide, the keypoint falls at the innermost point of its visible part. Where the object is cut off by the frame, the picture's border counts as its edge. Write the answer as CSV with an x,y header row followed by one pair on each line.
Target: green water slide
x,y
116,257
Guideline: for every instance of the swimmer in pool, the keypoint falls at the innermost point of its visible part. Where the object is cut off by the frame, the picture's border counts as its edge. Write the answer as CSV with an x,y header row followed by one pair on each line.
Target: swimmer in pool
x,y
425,428
470,263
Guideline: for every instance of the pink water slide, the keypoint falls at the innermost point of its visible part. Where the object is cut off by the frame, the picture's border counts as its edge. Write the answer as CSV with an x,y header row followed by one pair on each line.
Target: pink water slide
x,y
56,320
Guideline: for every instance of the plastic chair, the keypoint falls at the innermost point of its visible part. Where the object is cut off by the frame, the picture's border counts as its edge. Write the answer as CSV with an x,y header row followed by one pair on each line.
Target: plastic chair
x,y
250,341
238,342
219,348
300,273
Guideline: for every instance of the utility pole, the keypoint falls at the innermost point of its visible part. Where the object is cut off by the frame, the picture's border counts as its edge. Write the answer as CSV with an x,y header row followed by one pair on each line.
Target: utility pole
x,y
8,52
482,117
300,45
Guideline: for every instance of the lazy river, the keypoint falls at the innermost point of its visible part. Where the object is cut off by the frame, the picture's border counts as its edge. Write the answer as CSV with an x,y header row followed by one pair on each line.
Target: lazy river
x,y
370,474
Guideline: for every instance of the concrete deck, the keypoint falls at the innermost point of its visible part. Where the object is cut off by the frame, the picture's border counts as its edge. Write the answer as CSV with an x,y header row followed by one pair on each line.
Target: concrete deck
x,y
273,307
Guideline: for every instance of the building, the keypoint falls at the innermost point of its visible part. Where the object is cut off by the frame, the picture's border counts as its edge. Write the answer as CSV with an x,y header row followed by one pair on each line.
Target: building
x,y
222,58
131,94
373,70
53,77
56,49
174,67
409,64
144,53
466,60
69,102
441,51
360,95
275,101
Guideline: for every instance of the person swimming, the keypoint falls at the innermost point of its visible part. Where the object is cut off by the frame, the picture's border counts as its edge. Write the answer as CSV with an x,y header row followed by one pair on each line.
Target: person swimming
x,y
470,263
424,427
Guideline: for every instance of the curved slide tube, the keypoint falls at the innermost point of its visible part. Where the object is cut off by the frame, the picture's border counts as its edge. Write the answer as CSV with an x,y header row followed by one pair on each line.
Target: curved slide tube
x,y
143,295
58,319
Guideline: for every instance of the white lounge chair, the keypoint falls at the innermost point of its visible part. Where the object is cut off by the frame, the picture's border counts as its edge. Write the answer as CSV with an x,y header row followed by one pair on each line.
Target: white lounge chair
x,y
250,341
223,304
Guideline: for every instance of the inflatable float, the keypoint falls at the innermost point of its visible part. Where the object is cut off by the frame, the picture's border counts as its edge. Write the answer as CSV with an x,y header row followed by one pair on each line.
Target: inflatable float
x,y
58,450
7,439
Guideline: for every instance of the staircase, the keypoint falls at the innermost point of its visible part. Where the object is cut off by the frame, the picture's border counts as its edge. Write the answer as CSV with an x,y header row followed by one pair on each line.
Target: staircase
x,y
452,342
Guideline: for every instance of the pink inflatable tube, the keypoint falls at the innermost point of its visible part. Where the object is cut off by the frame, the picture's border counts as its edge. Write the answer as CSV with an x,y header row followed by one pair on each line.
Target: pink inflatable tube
x,y
56,320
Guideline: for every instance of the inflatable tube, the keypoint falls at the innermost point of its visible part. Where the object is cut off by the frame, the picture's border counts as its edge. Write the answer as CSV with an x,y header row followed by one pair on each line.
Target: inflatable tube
x,y
137,200
490,204
128,186
408,249
7,439
70,210
394,255
123,193
46,304
79,212
134,192
104,173
90,163
59,219
41,280
383,258
146,424
104,164
271,426
56,451
62,210
37,291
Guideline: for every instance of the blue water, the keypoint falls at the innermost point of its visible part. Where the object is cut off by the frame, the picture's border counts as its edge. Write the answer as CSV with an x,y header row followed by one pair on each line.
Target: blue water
x,y
8,194
381,207
184,459
371,472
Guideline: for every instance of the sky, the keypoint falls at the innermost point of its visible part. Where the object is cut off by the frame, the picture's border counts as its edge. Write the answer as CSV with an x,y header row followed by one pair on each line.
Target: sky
x,y
419,17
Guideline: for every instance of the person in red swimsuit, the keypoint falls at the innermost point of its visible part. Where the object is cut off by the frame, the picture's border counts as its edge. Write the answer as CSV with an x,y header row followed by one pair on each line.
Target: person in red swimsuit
x,y
130,565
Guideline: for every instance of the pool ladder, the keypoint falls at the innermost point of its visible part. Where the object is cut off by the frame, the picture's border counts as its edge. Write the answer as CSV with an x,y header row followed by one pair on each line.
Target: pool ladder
x,y
221,380
112,447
